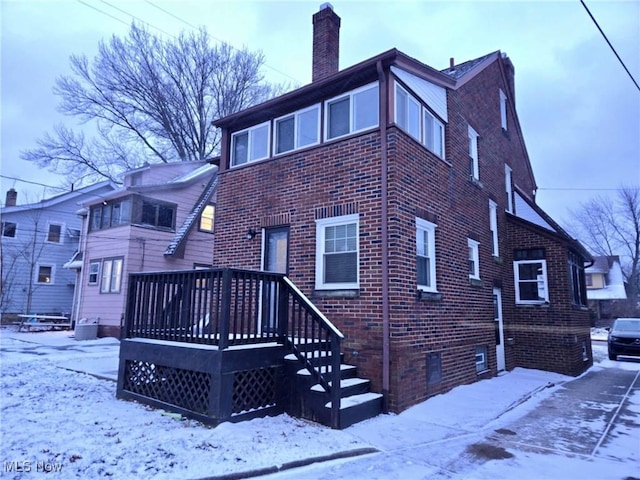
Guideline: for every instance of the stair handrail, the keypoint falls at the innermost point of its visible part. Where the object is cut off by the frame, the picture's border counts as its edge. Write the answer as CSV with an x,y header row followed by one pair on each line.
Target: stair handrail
x,y
331,383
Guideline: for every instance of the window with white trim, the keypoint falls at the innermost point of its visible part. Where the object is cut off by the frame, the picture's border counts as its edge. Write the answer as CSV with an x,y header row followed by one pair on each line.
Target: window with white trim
x,y
530,276
207,218
433,137
473,154
426,255
337,252
250,145
508,187
474,258
350,113
111,275
407,112
94,273
54,233
297,130
44,274
9,229
503,109
482,363
493,226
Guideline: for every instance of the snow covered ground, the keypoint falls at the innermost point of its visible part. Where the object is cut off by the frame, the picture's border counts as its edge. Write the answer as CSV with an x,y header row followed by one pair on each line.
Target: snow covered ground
x,y
70,424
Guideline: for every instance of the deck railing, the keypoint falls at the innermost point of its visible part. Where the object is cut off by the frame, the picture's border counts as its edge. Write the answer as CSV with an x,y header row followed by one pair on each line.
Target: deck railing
x,y
230,307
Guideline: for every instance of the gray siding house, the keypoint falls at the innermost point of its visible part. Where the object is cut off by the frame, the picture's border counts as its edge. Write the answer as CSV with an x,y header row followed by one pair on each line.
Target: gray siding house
x,y
37,240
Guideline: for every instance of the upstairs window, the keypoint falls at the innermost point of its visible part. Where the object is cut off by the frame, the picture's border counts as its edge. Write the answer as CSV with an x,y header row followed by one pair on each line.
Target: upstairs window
x,y
493,226
433,137
503,110
54,235
337,252
474,259
111,214
508,188
250,145
9,229
44,274
407,112
530,275
298,130
156,214
355,111
426,255
207,218
473,154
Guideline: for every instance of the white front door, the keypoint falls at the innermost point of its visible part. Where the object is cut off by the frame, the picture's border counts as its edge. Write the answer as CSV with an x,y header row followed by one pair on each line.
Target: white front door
x,y
497,317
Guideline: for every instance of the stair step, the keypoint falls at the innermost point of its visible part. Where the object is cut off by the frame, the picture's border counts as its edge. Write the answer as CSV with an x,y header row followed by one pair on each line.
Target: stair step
x,y
309,355
355,400
345,383
326,369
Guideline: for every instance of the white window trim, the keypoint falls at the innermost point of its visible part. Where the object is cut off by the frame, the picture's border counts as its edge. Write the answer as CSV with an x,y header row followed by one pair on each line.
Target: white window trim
x,y
473,153
2,232
483,364
422,224
508,181
493,226
352,129
62,231
320,237
436,123
37,274
475,251
503,110
544,280
109,287
98,273
410,99
296,116
249,130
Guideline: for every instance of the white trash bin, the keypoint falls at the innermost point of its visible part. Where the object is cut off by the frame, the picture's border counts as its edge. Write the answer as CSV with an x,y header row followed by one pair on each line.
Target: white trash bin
x,y
86,329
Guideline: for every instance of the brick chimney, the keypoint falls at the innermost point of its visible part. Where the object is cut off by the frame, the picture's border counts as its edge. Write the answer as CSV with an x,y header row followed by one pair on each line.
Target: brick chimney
x,y
326,42
12,198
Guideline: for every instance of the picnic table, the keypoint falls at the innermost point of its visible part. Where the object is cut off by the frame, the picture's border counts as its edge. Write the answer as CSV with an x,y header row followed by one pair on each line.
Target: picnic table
x,y
48,321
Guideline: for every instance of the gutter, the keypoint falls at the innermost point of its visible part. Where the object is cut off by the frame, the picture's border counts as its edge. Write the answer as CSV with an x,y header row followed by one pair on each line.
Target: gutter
x,y
385,237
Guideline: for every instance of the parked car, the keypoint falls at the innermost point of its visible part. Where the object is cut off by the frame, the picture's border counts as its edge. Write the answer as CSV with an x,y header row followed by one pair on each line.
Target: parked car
x,y
624,338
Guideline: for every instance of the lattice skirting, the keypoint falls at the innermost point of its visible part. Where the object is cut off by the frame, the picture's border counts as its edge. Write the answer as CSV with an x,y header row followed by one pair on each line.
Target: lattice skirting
x,y
253,389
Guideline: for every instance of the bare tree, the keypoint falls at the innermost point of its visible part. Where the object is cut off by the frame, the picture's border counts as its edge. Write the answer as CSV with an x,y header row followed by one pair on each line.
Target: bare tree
x,y
151,100
611,226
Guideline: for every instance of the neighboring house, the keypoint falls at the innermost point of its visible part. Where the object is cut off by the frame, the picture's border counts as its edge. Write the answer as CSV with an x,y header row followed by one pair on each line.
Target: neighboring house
x,y
37,239
161,219
401,200
605,286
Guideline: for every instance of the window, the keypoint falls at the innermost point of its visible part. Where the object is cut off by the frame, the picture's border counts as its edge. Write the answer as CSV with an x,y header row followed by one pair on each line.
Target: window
x,y
111,276
54,235
353,112
503,110
425,255
530,274
9,229
337,254
473,154
111,214
474,261
250,145
508,188
577,280
481,359
407,112
493,226
206,218
434,368
44,274
298,130
94,272
157,214
588,280
433,137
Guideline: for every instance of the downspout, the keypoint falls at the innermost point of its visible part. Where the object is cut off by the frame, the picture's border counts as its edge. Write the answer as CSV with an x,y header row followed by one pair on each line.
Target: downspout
x,y
82,246
385,238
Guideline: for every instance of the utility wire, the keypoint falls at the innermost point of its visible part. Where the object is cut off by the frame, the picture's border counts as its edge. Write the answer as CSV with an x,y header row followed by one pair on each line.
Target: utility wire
x,y
611,46
137,18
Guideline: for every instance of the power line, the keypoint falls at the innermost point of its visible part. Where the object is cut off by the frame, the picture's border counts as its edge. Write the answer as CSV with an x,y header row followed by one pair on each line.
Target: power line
x,y
611,46
136,18
102,12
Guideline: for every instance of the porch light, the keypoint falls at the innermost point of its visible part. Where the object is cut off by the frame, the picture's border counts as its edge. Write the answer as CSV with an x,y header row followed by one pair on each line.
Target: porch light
x,y
251,234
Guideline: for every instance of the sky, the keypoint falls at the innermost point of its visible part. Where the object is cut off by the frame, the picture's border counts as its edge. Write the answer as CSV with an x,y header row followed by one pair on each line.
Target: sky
x,y
578,108
44,389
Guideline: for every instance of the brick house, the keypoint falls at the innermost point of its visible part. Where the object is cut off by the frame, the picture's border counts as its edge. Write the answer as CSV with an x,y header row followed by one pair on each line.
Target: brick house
x,y
401,200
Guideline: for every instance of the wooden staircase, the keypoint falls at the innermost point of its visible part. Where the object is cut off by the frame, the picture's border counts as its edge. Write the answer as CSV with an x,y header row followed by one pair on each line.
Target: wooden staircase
x,y
310,400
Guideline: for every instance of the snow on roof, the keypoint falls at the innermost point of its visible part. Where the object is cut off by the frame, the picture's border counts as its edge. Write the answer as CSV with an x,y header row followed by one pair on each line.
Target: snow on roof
x,y
194,173
614,289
